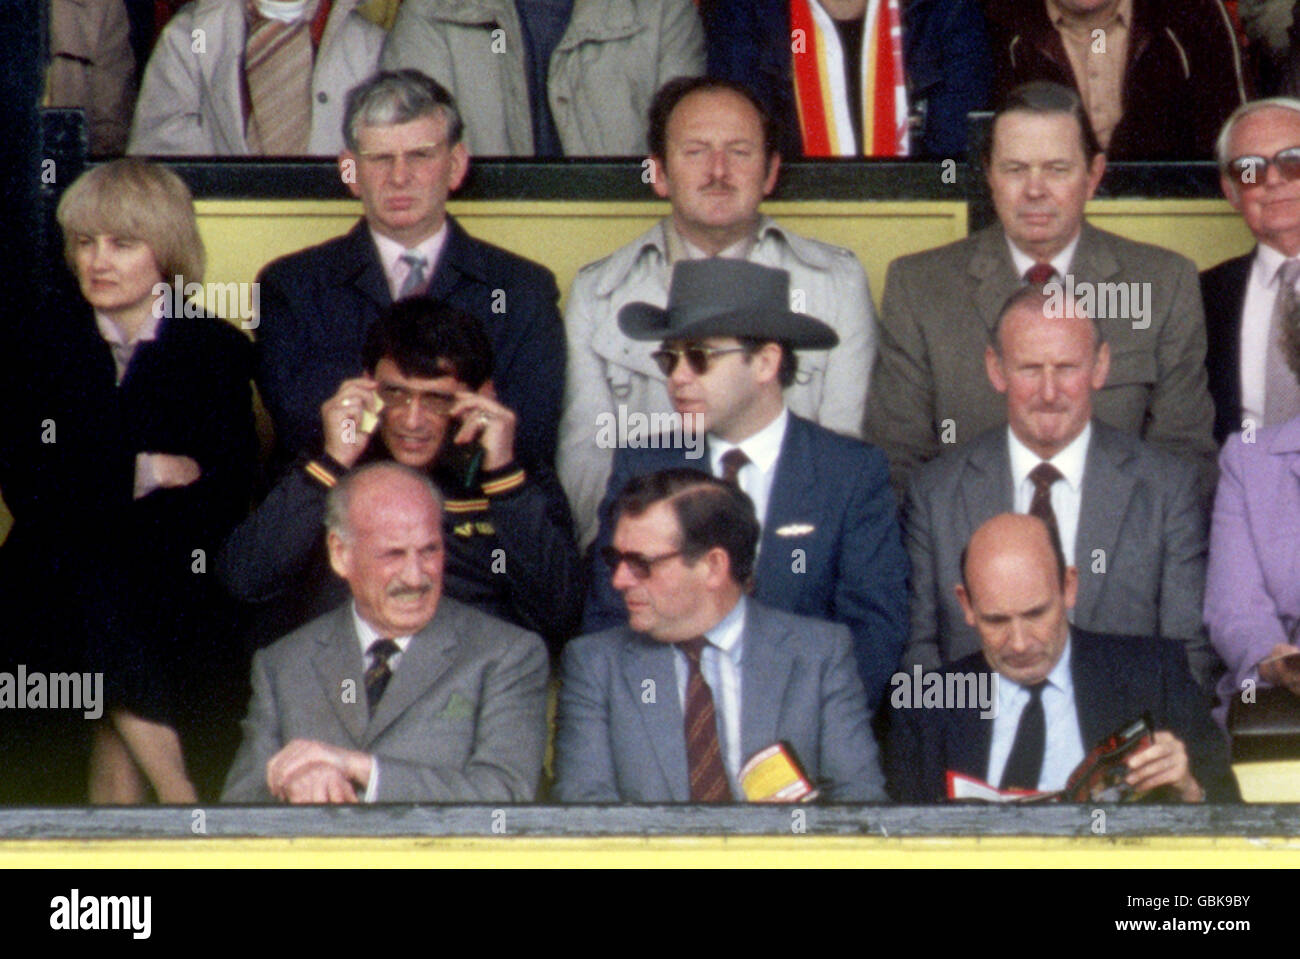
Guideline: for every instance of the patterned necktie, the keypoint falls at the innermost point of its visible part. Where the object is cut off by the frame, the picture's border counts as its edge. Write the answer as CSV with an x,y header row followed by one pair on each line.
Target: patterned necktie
x,y
1043,476
1039,274
733,461
1025,763
415,279
703,751
1281,390
278,69
378,675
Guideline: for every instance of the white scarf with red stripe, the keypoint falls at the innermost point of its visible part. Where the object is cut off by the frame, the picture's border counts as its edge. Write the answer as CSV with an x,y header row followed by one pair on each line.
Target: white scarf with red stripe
x,y
821,92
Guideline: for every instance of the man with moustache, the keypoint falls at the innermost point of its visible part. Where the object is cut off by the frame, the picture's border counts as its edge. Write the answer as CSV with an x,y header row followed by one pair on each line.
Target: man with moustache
x,y
428,382
402,694
713,156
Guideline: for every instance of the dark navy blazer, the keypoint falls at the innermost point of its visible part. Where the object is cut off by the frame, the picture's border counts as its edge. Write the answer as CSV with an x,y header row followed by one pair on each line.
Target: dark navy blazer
x,y
1116,679
830,546
1223,290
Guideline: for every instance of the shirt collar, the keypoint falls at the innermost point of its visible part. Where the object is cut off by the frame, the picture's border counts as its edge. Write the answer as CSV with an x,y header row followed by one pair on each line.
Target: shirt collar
x,y
390,251
112,333
1060,263
1268,260
763,448
728,635
367,634
1070,461
1059,678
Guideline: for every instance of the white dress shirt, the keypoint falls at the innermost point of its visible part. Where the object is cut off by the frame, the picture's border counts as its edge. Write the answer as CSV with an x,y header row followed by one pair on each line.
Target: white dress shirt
x,y
1063,745
390,256
720,666
1067,493
763,449
366,634
1256,321
1060,263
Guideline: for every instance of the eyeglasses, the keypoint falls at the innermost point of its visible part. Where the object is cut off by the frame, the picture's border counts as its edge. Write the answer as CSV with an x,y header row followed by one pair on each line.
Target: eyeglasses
x,y
640,566
398,398
423,155
698,358
1250,170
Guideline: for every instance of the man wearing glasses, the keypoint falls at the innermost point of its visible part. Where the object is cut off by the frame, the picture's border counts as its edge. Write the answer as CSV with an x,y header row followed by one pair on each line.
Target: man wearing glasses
x,y
427,401
403,158
673,705
713,156
830,545
1247,298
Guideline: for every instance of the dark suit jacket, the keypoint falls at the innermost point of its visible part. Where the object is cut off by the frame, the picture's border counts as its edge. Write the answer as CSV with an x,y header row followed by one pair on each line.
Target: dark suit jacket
x,y
830,546
1181,80
1115,678
945,56
318,303
1139,508
615,744
1223,291
462,720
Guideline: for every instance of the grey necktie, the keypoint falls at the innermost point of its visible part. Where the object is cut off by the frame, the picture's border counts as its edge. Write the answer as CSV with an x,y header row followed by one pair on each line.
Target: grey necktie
x,y
415,279
1281,390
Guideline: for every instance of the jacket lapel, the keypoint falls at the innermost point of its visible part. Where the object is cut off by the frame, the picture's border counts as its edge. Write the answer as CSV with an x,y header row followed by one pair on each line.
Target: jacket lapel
x,y
645,659
971,737
985,489
361,268
458,259
792,493
429,654
337,659
994,275
766,668
1107,489
1099,715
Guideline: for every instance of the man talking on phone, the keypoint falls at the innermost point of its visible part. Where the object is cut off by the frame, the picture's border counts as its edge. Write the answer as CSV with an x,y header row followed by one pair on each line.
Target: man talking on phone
x,y
426,400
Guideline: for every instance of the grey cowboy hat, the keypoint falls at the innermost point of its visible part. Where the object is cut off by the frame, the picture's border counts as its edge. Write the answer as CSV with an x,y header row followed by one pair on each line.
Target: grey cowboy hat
x,y
718,297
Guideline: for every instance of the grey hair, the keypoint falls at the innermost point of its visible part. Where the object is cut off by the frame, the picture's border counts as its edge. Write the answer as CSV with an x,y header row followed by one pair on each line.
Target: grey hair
x,y
398,96
1245,110
338,501
1031,295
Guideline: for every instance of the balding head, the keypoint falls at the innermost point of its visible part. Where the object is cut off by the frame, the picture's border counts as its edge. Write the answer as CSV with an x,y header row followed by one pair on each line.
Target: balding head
x,y
1015,592
1048,361
385,539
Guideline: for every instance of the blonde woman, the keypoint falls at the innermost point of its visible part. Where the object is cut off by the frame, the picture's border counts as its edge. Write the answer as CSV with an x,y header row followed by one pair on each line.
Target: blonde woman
x,y
158,453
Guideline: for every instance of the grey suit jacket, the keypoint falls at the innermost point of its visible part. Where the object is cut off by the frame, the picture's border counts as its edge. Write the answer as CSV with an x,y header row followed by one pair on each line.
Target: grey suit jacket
x,y
620,732
1140,547
463,718
929,387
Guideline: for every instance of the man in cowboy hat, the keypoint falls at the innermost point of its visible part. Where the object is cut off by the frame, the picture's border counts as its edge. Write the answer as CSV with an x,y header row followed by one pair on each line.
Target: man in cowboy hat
x,y
830,545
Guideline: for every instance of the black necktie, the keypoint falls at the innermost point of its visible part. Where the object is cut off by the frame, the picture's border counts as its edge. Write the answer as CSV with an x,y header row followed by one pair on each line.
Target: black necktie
x,y
378,675
1025,764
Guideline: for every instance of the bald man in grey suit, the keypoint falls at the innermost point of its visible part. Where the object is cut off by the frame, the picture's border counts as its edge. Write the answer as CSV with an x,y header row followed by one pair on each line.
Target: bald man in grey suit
x,y
401,695
683,547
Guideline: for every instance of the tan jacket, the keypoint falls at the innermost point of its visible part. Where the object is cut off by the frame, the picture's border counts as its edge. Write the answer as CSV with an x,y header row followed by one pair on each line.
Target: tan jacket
x,y
91,67
190,100
612,58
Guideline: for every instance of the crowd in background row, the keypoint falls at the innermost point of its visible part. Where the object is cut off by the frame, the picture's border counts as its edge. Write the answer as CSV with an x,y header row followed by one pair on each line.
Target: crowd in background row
x,y
553,78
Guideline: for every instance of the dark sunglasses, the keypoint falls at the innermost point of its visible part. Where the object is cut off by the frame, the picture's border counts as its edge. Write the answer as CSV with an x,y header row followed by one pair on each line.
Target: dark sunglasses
x,y
640,566
1251,170
698,358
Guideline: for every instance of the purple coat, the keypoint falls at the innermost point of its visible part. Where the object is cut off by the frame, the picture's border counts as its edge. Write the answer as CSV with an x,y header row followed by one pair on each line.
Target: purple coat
x,y
1252,590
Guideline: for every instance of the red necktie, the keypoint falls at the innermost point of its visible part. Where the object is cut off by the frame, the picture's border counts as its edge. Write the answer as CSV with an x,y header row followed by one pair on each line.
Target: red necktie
x,y
703,751
1039,274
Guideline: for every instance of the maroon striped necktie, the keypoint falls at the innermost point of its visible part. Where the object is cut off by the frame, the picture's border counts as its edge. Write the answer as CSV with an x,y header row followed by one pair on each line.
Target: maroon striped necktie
x,y
703,751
